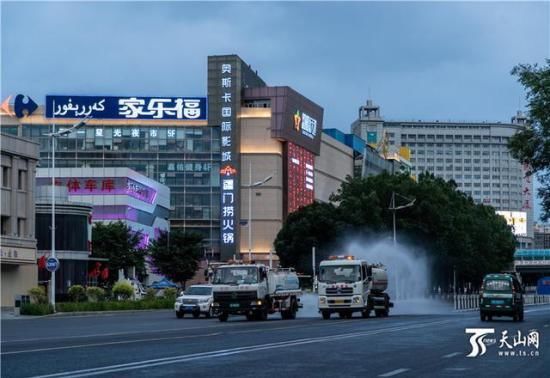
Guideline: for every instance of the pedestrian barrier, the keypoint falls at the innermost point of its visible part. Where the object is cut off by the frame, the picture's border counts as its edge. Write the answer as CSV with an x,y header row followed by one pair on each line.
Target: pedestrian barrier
x,y
465,302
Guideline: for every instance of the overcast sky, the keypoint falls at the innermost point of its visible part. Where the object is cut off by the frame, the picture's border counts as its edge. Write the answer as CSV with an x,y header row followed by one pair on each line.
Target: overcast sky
x,y
430,61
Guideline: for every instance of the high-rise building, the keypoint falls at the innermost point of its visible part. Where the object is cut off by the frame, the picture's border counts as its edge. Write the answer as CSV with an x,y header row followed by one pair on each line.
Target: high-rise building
x,y
474,155
209,151
542,236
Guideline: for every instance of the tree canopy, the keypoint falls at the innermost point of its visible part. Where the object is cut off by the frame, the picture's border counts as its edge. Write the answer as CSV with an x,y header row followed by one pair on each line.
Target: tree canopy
x,y
531,146
120,244
176,255
446,223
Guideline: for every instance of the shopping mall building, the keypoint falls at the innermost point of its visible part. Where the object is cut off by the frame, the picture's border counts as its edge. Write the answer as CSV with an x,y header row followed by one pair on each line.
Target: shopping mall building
x,y
236,161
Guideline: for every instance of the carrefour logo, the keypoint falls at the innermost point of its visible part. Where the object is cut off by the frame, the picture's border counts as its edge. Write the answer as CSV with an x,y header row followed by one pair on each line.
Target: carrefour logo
x,y
305,124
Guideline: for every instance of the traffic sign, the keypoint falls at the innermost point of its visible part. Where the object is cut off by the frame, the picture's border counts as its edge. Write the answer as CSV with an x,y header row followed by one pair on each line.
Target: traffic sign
x,y
52,264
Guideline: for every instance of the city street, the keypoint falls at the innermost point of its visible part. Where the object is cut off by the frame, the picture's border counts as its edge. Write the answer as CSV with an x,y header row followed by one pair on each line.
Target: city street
x,y
157,344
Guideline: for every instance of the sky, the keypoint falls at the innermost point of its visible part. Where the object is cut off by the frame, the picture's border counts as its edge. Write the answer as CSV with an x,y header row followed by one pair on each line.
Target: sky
x,y
417,60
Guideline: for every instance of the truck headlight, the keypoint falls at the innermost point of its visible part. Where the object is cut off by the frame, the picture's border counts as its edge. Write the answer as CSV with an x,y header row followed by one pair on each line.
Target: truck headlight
x,y
356,300
322,300
256,303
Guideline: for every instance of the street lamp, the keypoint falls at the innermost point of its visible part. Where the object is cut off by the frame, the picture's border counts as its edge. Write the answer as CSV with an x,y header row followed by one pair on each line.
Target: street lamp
x,y
394,208
250,186
54,135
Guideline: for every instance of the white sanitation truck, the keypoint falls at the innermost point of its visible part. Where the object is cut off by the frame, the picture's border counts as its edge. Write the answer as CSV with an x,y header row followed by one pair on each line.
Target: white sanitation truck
x,y
255,291
346,285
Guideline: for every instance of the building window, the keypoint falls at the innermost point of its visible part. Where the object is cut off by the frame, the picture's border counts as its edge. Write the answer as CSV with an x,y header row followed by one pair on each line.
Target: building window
x,y
5,228
5,177
22,180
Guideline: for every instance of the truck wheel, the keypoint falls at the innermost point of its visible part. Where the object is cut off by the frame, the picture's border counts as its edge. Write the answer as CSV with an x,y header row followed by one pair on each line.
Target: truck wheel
x,y
482,316
379,313
521,315
223,317
179,314
249,317
326,315
261,314
365,313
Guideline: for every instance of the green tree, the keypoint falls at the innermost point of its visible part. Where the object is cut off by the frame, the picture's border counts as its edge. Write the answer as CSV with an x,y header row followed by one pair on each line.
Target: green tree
x,y
120,244
315,225
454,232
531,145
177,254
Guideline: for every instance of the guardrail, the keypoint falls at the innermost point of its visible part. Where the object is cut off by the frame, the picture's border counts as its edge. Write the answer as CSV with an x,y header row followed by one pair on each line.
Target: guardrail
x,y
465,302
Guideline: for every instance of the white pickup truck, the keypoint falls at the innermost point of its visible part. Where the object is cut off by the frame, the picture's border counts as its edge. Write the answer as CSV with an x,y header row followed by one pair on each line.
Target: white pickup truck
x,y
196,300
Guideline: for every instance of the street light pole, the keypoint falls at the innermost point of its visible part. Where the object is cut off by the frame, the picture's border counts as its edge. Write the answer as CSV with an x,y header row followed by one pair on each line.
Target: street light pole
x,y
250,186
54,135
394,208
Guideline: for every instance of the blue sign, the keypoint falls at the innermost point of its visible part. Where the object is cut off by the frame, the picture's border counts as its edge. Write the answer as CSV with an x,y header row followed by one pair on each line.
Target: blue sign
x,y
52,264
23,105
543,286
108,107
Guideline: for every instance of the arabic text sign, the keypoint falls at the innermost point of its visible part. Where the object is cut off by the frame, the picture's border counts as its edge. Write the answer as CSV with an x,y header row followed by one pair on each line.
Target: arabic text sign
x,y
101,107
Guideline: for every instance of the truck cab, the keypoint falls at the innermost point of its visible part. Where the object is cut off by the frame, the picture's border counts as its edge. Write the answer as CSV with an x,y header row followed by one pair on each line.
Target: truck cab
x,y
255,291
347,285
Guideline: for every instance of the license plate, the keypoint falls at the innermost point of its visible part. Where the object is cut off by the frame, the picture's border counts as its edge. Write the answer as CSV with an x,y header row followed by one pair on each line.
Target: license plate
x,y
234,305
339,301
497,301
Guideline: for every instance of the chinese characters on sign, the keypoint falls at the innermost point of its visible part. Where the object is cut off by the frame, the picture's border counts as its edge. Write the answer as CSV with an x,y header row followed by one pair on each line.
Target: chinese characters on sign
x,y
228,171
518,345
110,107
105,186
301,183
305,124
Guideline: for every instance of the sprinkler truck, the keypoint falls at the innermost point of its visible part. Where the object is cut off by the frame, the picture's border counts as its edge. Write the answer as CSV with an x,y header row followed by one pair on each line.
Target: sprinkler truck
x,y
254,290
346,285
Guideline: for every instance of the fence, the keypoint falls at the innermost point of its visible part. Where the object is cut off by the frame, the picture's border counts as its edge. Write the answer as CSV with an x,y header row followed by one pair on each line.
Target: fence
x,y
464,302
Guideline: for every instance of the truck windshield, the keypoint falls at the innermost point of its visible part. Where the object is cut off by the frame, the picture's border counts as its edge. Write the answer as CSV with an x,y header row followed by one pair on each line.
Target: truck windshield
x,y
339,273
198,290
497,285
236,275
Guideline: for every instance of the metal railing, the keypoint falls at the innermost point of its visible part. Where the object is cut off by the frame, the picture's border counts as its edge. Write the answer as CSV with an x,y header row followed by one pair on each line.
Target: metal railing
x,y
465,302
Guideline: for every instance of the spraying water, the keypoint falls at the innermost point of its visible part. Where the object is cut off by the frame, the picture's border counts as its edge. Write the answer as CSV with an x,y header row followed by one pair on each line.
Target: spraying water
x,y
408,275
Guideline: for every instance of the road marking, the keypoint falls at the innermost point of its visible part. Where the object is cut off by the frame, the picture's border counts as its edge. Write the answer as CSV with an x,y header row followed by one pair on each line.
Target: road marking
x,y
394,372
228,352
108,343
451,355
457,369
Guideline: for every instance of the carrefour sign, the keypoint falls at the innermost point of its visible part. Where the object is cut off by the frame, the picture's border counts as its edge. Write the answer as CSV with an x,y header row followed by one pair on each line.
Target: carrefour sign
x,y
108,107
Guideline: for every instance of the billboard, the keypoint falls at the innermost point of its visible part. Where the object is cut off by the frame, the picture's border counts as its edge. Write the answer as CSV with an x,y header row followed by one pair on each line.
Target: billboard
x,y
516,219
300,176
109,107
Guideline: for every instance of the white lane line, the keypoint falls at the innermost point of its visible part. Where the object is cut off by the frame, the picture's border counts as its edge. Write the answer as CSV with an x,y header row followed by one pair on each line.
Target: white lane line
x,y
227,352
457,369
131,333
394,372
451,355
108,343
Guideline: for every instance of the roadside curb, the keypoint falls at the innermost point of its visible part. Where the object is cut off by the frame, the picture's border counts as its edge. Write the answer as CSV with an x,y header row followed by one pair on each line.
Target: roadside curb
x,y
80,313
109,312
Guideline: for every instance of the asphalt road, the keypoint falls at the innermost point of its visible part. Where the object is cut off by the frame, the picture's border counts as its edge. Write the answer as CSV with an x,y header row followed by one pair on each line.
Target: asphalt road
x,y
156,344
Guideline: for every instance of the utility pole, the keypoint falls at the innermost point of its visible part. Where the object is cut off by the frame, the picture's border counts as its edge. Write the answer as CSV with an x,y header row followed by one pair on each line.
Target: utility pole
x,y
394,208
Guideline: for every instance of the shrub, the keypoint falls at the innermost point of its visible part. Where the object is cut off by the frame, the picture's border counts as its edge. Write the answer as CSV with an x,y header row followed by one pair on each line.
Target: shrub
x,y
36,309
155,304
95,294
150,294
38,295
77,293
170,293
123,290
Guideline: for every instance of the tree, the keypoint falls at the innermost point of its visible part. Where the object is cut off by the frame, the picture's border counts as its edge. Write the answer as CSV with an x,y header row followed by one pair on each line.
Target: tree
x,y
454,232
120,244
531,146
314,225
177,254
